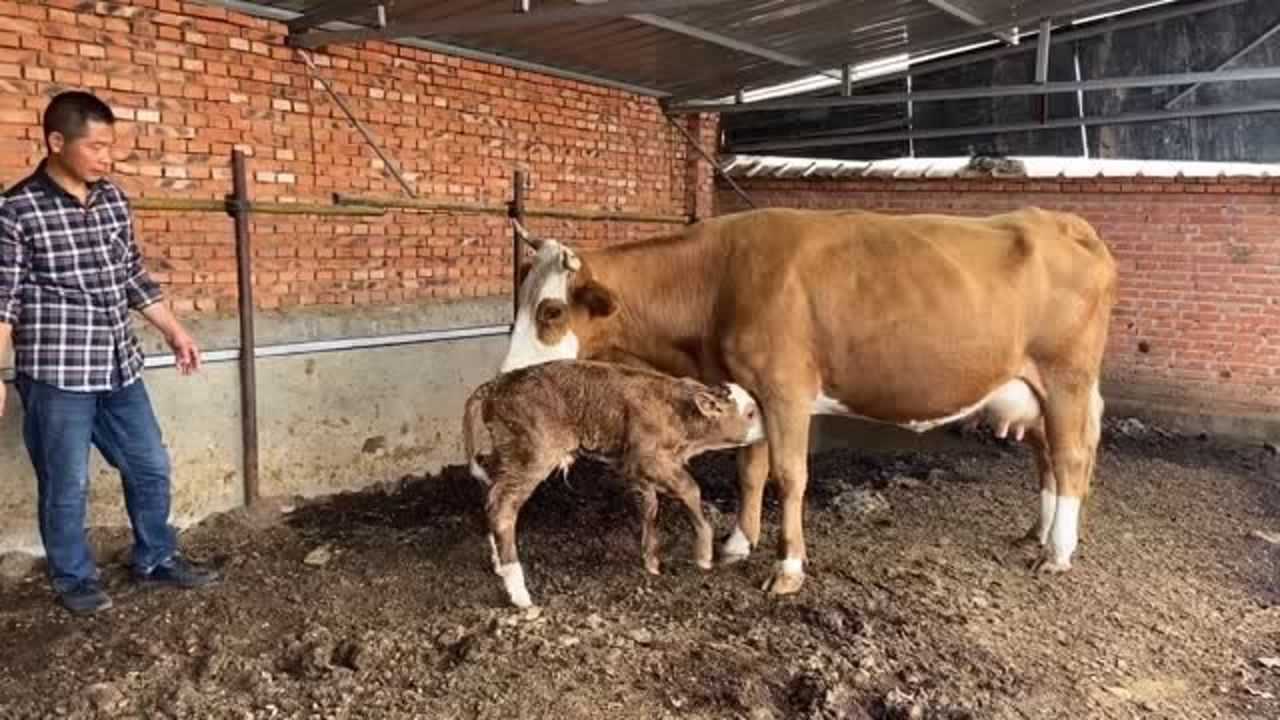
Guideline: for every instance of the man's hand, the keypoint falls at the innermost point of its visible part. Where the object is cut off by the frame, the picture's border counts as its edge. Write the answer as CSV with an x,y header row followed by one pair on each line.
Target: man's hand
x,y
185,350
6,339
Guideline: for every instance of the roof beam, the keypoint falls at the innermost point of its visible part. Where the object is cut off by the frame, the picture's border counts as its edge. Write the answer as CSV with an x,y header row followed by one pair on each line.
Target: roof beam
x,y
715,38
328,12
1105,26
687,104
1121,119
978,93
516,21
957,10
1266,35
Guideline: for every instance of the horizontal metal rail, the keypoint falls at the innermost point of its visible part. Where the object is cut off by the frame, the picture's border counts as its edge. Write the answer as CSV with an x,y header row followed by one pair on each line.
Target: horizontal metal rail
x,y
261,208
1071,122
313,347
501,209
979,93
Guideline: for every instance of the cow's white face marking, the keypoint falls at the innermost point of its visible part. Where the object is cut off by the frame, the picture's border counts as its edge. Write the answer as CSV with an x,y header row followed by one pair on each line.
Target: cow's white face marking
x,y
747,404
548,279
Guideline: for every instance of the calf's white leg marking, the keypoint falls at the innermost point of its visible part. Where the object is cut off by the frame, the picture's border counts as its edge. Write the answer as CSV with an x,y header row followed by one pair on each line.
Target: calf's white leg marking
x,y
477,472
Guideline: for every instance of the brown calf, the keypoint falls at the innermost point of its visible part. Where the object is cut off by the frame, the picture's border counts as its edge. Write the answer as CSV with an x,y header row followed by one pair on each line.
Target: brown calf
x,y
648,425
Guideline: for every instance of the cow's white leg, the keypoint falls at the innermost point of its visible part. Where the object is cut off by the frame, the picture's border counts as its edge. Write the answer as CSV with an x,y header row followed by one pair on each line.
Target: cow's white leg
x,y
788,427
1039,532
753,472
1073,423
512,575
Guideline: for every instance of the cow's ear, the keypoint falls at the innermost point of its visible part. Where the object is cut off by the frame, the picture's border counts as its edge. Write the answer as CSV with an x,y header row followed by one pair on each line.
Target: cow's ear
x,y
708,404
596,298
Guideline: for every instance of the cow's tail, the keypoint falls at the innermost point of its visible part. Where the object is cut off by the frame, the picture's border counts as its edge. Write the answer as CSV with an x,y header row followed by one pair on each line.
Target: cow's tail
x,y
472,424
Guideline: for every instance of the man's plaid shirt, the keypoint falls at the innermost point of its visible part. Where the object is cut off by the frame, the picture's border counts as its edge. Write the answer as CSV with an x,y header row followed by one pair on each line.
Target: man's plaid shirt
x,y
69,274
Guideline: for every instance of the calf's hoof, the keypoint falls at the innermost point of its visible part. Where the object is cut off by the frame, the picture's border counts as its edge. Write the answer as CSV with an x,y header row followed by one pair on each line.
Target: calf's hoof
x,y
704,564
651,566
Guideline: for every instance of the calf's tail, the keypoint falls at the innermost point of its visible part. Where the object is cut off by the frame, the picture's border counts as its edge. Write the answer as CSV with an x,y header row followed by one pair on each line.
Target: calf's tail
x,y
472,423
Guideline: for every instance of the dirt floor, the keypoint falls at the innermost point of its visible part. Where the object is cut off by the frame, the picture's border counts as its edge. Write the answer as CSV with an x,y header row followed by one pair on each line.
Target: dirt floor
x,y
918,604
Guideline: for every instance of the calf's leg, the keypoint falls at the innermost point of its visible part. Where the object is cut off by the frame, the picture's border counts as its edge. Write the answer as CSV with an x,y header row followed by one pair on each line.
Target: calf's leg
x,y
680,484
512,486
648,502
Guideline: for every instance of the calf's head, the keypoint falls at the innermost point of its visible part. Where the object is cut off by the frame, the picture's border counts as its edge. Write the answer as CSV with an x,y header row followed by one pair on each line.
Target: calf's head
x,y
724,416
563,313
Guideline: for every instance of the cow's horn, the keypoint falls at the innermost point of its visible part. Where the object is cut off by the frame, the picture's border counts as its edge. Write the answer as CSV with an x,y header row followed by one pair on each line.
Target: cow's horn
x,y
529,240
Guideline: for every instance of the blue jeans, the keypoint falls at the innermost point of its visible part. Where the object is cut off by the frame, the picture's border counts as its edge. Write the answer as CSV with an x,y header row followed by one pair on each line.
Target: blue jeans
x,y
59,428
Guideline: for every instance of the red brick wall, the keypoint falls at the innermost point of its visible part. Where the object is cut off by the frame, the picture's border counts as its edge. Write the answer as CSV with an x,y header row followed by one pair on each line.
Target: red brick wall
x,y
1197,325
191,82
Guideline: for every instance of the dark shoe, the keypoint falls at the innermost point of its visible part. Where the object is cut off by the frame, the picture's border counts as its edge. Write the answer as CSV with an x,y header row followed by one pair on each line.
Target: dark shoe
x,y
177,572
85,599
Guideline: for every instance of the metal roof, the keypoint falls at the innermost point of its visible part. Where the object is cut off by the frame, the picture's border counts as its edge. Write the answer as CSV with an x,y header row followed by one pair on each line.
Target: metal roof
x,y
696,49
1029,166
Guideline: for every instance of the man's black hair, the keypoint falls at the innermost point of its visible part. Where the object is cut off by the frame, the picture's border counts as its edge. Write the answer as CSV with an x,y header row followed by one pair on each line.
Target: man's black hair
x,y
69,113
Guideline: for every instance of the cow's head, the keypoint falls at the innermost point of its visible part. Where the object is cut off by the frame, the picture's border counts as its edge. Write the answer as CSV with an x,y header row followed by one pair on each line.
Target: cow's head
x,y
562,311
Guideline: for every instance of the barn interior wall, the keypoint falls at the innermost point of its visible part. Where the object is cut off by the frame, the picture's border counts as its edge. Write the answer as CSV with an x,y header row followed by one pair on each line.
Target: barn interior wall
x,y
1195,336
191,82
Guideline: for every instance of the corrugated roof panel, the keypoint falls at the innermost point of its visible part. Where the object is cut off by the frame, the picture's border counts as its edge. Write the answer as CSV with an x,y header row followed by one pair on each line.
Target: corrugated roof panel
x,y
827,33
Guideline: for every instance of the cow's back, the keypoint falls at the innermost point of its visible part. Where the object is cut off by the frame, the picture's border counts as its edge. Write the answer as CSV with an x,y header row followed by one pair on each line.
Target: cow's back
x,y
907,311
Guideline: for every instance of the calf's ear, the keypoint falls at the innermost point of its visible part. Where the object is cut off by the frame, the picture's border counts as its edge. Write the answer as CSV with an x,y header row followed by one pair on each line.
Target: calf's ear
x,y
708,404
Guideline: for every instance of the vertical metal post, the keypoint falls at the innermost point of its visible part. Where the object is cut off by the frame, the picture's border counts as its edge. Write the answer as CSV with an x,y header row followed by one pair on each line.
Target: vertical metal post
x,y
516,210
1084,131
238,207
911,125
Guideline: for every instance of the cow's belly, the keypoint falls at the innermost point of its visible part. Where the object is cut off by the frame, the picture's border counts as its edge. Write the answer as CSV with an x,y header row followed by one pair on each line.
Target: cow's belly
x,y
1011,407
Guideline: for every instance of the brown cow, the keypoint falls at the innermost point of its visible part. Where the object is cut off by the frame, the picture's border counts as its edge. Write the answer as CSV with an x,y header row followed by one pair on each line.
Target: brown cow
x,y
649,425
916,320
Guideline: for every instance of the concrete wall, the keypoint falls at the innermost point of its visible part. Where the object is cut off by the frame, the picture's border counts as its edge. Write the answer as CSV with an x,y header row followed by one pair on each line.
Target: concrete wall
x,y
327,421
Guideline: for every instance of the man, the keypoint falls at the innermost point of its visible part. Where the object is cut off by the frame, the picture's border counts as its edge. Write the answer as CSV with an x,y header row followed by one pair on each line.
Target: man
x,y
69,274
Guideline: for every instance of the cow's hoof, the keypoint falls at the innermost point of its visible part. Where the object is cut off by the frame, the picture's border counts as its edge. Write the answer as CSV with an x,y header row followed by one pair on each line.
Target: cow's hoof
x,y
704,564
784,583
1047,565
521,600
1029,539
651,566
731,559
